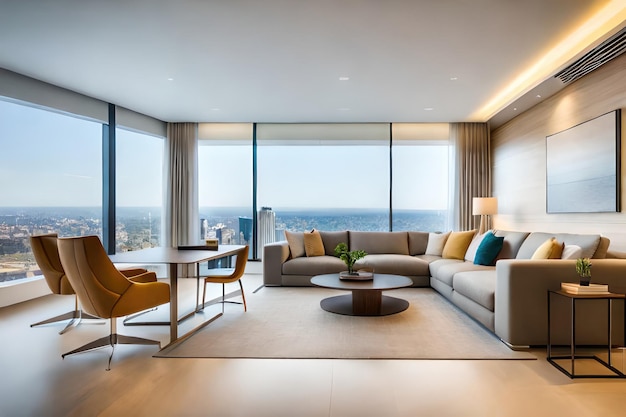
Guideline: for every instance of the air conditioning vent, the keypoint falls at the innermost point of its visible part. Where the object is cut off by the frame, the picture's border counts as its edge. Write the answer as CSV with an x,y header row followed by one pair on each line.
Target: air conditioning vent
x,y
598,56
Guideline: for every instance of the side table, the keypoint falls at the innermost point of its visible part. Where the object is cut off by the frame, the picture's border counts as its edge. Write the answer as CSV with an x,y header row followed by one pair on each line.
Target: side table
x,y
576,298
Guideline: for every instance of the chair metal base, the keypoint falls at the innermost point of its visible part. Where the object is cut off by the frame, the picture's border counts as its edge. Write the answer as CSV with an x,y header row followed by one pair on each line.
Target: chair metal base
x,y
74,318
111,340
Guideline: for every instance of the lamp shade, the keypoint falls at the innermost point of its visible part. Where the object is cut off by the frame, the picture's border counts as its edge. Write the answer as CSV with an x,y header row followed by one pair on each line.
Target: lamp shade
x,y
484,205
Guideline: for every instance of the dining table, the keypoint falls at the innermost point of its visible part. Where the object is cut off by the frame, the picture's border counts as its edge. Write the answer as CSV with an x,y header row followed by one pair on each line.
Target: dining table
x,y
173,257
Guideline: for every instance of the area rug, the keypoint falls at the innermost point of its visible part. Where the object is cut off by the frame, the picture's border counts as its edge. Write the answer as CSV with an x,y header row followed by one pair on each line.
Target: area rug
x,y
287,322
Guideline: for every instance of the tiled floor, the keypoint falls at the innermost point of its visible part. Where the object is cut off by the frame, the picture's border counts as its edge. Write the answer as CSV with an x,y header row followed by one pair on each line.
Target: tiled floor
x,y
35,381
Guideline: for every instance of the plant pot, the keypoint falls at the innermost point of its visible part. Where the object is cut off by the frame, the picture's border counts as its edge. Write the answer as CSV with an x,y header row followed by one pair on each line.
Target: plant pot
x,y
584,281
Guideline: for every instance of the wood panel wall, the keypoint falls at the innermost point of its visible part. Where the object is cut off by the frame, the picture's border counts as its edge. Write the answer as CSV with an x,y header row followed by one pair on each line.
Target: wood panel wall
x,y
519,157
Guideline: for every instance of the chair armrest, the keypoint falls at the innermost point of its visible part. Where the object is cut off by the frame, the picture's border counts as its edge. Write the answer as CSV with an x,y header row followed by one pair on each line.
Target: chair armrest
x,y
145,277
274,255
131,272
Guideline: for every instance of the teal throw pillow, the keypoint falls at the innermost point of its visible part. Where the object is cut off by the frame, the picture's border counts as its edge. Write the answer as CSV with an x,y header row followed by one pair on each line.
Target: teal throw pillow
x,y
488,249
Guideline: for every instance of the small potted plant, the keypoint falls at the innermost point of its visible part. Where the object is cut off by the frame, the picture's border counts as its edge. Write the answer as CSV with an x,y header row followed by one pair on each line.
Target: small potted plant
x,y
349,257
583,269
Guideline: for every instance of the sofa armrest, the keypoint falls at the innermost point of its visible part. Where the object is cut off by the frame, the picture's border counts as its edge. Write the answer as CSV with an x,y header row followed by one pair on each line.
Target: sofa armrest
x,y
521,300
274,255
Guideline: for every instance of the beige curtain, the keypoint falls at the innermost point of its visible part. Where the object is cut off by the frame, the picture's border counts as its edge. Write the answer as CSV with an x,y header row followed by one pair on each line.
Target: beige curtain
x,y
472,170
181,220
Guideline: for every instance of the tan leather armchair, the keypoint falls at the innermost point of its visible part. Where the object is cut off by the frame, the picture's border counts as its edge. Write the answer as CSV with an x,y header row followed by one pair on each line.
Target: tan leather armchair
x,y
46,254
105,292
227,276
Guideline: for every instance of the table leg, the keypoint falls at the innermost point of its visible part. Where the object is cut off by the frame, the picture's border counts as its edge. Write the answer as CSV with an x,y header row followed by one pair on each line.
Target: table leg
x,y
173,302
610,335
573,335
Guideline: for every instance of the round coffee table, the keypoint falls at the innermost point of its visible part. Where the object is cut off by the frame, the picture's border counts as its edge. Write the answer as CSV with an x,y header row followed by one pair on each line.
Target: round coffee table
x,y
366,298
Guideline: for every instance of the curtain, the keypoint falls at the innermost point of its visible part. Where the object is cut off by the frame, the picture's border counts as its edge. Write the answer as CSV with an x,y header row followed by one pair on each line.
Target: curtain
x,y
181,219
471,145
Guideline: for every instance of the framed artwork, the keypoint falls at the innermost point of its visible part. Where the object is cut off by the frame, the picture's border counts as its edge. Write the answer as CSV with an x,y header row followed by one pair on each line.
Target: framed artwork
x,y
583,167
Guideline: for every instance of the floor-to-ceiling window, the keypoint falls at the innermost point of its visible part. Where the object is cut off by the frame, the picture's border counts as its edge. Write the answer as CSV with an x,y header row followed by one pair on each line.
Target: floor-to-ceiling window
x,y
320,176
325,187
420,156
139,190
325,177
420,186
50,181
225,183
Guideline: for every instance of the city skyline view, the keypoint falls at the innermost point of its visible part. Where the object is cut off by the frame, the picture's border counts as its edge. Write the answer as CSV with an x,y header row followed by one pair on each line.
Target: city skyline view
x,y
138,228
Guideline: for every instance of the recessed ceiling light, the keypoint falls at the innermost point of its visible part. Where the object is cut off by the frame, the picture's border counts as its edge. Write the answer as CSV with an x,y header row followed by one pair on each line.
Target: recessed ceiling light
x,y
538,95
514,108
429,108
454,78
170,79
344,78
215,109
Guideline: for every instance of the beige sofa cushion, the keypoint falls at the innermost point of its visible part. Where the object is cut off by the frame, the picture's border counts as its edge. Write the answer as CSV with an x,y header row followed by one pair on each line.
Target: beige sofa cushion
x,y
446,273
296,243
603,248
511,244
316,265
478,286
393,264
332,239
380,242
588,243
418,241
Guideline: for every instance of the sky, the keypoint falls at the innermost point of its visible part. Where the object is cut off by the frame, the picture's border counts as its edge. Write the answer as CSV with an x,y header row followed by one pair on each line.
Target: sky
x,y
50,159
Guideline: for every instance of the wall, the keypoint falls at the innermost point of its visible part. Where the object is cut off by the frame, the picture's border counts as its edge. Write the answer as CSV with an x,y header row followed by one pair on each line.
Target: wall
x,y
519,157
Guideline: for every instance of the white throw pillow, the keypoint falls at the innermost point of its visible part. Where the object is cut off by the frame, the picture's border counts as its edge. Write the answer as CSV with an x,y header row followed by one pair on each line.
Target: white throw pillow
x,y
473,247
436,242
572,252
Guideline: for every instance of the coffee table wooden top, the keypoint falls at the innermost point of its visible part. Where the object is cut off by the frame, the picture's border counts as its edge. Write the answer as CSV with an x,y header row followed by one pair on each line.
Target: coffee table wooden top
x,y
380,282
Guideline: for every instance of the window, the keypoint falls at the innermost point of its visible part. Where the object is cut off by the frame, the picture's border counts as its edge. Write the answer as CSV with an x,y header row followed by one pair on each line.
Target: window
x,y
51,181
420,186
225,191
139,190
326,187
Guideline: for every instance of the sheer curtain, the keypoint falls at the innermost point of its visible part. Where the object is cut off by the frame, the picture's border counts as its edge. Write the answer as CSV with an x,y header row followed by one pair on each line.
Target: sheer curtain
x,y
470,145
181,219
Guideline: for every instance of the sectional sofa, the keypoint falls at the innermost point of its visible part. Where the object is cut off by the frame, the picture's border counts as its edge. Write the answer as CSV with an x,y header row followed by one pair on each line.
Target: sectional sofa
x,y
507,296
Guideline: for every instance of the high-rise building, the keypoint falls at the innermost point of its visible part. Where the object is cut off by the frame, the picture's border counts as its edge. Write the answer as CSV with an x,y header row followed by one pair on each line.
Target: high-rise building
x,y
204,229
266,228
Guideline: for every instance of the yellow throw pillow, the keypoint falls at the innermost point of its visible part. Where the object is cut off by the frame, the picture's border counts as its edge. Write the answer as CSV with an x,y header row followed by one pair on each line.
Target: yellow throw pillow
x,y
295,240
457,244
313,245
550,249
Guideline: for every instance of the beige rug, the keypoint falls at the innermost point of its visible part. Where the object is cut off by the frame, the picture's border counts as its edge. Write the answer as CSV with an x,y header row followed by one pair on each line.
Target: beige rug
x,y
289,323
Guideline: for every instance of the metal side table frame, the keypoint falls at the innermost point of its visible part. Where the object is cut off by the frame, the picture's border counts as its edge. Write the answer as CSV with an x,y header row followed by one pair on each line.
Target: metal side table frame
x,y
574,298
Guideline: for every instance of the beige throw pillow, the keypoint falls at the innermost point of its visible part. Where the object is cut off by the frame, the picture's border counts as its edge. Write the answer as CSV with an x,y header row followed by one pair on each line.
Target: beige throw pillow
x,y
296,243
436,242
313,245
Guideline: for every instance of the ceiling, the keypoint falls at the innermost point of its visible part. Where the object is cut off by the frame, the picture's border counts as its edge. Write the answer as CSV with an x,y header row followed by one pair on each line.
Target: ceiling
x,y
285,60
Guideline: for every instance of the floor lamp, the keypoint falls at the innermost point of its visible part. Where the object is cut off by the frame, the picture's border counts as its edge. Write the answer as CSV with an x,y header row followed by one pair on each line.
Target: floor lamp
x,y
483,207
